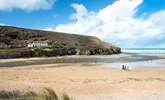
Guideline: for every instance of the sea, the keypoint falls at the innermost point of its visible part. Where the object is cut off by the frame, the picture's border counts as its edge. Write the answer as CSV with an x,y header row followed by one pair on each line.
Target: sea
x,y
143,50
141,58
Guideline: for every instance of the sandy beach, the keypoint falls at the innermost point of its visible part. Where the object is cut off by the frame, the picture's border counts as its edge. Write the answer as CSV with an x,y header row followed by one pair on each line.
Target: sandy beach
x,y
89,77
85,81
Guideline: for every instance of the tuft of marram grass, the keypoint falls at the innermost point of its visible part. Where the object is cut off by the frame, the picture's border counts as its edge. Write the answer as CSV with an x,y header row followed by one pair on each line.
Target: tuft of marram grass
x,y
45,94
65,97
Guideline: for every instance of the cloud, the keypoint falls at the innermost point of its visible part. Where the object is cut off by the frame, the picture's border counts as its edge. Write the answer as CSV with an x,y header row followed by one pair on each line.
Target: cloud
x,y
28,5
117,23
2,24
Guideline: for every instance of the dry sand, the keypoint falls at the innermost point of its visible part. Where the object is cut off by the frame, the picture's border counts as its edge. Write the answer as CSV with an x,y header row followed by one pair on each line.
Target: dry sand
x,y
87,81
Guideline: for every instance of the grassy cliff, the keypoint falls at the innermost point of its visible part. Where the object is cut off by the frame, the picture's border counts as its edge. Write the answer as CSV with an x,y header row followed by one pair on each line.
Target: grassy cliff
x,y
14,43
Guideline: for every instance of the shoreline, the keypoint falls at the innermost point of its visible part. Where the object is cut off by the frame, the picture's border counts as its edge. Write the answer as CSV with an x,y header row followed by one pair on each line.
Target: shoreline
x,y
131,59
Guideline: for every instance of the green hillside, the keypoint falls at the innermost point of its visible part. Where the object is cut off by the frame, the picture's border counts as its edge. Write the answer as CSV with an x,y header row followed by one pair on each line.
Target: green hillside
x,y
20,42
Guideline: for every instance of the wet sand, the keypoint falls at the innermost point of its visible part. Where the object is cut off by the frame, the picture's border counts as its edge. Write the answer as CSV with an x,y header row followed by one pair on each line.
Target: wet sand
x,y
87,81
131,59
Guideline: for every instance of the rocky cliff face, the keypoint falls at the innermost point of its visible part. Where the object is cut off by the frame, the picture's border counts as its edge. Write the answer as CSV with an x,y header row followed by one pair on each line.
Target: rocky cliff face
x,y
15,40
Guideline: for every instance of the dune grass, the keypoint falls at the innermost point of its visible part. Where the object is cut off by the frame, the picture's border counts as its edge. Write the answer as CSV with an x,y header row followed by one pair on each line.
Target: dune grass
x,y
45,94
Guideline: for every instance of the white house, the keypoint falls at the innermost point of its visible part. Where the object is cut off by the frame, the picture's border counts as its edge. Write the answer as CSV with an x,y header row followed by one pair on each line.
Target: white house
x,y
38,44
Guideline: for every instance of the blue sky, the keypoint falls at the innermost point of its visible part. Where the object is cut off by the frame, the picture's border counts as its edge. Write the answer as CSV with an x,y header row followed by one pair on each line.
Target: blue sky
x,y
139,19
59,13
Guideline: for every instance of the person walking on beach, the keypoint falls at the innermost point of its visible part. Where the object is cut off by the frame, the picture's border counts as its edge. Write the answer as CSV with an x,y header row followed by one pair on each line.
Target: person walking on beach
x,y
124,67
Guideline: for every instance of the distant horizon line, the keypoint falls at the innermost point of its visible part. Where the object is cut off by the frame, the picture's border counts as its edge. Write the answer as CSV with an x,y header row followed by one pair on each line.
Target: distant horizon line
x,y
140,48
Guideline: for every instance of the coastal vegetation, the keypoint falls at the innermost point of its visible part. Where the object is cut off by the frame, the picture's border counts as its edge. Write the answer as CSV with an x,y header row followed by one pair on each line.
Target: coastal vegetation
x,y
45,94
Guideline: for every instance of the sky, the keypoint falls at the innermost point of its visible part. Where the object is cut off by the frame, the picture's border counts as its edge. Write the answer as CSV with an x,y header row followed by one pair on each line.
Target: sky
x,y
126,23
